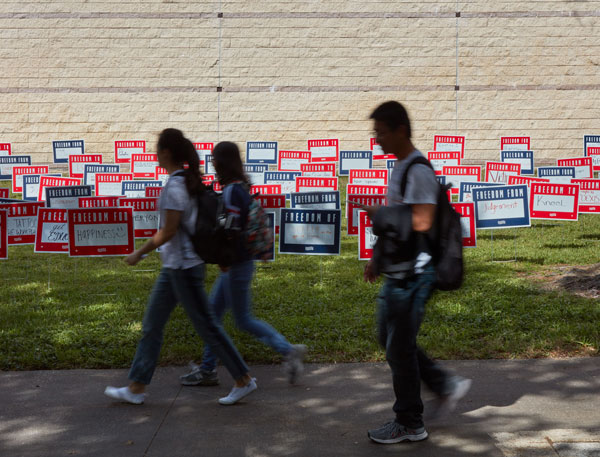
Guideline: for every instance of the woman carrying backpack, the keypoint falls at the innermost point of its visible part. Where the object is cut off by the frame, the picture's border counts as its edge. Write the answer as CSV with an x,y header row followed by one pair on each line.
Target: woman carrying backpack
x,y
181,278
232,287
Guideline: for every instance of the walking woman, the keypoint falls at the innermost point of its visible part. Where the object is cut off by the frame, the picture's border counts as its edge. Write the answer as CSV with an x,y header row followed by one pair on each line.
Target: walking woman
x,y
181,278
232,287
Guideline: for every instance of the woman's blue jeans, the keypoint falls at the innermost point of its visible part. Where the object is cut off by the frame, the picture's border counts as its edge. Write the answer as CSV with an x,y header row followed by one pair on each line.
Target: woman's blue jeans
x,y
187,287
232,290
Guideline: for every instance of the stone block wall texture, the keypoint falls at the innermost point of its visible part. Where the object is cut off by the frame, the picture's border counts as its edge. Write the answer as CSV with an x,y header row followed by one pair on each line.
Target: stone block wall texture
x,y
288,71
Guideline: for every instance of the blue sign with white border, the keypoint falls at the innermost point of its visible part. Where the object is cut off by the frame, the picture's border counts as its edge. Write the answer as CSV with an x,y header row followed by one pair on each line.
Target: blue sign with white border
x,y
390,164
63,149
466,189
261,152
8,162
137,189
66,196
287,179
90,170
355,160
31,186
561,175
501,207
310,231
315,200
590,141
441,179
256,173
524,158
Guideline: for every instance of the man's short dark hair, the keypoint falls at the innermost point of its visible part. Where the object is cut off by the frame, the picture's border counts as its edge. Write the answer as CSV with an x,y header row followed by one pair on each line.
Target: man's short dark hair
x,y
392,114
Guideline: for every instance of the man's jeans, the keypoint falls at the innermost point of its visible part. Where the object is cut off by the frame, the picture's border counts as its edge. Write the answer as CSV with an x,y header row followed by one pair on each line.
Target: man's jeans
x,y
401,309
187,287
232,290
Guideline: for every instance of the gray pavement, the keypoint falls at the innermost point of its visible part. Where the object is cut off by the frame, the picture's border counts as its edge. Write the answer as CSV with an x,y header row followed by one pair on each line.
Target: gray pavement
x,y
532,408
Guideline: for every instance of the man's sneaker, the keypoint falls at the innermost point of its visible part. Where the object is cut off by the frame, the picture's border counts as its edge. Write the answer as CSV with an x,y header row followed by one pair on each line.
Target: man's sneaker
x,y
459,387
293,364
124,394
393,432
237,393
199,377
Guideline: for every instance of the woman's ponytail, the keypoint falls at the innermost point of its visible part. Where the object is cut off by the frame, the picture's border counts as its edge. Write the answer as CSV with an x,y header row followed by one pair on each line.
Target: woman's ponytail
x,y
183,151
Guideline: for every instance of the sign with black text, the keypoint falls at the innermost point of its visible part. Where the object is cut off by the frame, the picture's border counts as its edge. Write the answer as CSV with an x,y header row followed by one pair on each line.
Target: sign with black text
x,y
77,164
31,186
501,207
145,215
456,175
372,177
324,150
318,170
515,143
498,172
18,172
310,232
99,202
589,195
137,189
110,183
355,160
439,160
378,153
63,149
582,165
90,170
261,152
523,158
100,232
558,175
292,160
554,201
52,234
21,222
52,181
143,165
315,200
305,184
594,153
124,149
8,162
66,196
287,180
448,143
466,189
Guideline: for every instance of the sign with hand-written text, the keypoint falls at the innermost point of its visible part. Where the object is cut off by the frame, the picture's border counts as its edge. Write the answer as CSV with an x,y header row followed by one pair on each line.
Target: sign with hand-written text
x,y
152,191
52,181
324,150
467,222
21,221
287,180
310,231
143,165
90,170
162,175
590,141
110,183
594,153
498,172
63,149
5,149
512,180
582,165
515,143
523,158
372,177
265,189
52,234
366,238
353,206
4,193
273,203
3,234
66,196
589,195
554,201
31,186
145,215
306,184
100,231
456,175
137,189
256,173
315,200
261,152
18,172
292,160
7,163
501,207
203,149
318,170
99,202
124,149
466,189
355,160
558,175
447,143
77,164
378,153
439,160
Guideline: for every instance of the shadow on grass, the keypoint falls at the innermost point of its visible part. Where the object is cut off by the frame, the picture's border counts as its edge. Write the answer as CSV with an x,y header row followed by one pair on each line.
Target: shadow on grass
x,y
590,236
565,246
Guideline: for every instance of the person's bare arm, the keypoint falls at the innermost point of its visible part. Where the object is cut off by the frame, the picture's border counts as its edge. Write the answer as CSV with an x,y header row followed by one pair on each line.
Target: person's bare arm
x,y
168,231
422,217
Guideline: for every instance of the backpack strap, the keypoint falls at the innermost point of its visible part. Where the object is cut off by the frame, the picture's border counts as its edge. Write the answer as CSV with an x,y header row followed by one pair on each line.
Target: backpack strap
x,y
417,160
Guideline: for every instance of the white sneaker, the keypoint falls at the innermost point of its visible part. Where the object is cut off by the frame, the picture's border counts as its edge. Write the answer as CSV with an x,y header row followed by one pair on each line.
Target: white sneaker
x,y
124,394
447,403
237,393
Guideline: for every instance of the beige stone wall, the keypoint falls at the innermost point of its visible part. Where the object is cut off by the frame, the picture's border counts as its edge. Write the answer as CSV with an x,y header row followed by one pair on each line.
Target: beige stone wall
x,y
289,71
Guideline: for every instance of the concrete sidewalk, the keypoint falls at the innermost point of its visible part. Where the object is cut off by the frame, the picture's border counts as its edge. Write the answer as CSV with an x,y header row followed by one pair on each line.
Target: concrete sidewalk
x,y
533,408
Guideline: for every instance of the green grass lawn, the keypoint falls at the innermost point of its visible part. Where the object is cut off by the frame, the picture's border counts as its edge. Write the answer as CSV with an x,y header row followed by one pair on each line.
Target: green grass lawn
x,y
60,312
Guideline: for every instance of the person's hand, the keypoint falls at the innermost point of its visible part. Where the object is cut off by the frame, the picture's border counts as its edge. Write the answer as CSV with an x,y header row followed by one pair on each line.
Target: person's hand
x,y
369,274
133,258
371,210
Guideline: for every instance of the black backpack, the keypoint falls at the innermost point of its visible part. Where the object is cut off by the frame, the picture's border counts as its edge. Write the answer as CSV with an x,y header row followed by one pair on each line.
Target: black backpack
x,y
213,238
445,238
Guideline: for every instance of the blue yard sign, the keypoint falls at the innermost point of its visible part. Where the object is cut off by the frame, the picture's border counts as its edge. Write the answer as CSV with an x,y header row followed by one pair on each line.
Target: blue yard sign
x,y
90,170
355,160
256,173
8,162
466,189
137,189
66,197
63,149
31,186
524,158
560,175
316,200
287,179
501,207
590,141
310,231
261,152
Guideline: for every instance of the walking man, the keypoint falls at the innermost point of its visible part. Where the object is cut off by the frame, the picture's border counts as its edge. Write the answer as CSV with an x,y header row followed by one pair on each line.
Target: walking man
x,y
406,263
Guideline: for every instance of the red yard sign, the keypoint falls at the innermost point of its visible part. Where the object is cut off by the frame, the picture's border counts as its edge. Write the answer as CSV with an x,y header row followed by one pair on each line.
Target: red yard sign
x,y
52,233
3,234
273,203
447,143
265,189
583,166
594,153
100,202
292,160
366,239
353,208
369,177
554,201
306,184
202,149
4,193
498,172
589,195
77,163
5,149
18,172
318,170
52,181
100,232
378,153
456,175
515,143
518,179
145,215
124,149
144,165
324,150
153,191
110,183
21,221
440,159
467,221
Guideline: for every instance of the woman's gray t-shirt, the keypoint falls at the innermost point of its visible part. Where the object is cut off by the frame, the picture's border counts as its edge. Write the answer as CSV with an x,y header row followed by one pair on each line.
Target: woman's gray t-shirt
x,y
178,252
